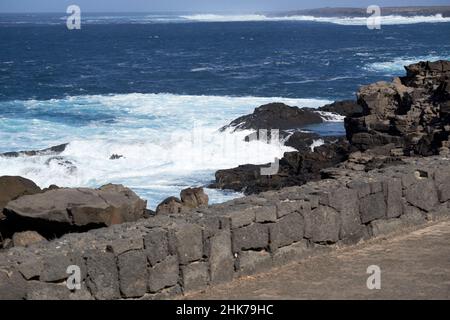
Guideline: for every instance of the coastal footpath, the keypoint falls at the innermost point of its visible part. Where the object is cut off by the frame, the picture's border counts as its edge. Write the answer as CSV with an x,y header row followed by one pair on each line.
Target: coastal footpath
x,y
414,265
389,174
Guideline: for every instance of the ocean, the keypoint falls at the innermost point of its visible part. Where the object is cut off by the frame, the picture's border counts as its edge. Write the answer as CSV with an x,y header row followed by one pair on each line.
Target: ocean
x,y
155,89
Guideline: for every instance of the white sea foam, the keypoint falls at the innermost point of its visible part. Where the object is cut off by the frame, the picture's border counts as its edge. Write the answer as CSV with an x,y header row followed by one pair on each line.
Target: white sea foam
x,y
396,65
152,19
330,116
316,143
357,21
168,142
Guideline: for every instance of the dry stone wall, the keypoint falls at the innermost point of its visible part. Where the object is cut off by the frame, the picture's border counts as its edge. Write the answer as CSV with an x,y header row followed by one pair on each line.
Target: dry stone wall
x,y
168,255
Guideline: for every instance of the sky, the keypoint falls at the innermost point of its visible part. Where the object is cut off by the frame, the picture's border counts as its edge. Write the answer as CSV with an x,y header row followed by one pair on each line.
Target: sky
x,y
246,6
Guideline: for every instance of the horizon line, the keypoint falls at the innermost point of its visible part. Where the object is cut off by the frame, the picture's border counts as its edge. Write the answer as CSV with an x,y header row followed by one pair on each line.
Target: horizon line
x,y
225,11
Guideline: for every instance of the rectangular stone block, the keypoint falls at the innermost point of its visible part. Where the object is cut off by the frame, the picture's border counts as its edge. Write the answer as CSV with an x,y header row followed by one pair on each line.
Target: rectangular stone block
x,y
254,236
444,191
286,231
408,179
156,245
188,242
55,291
313,200
412,216
242,215
372,207
440,212
393,193
132,273
423,195
375,187
292,253
442,180
164,294
12,285
363,188
102,275
355,236
55,267
163,274
285,207
322,225
221,260
195,276
127,243
324,197
31,266
211,225
384,227
251,262
266,214
346,202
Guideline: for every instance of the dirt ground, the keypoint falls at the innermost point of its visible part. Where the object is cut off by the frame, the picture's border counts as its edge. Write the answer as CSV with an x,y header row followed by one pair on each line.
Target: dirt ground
x,y
415,265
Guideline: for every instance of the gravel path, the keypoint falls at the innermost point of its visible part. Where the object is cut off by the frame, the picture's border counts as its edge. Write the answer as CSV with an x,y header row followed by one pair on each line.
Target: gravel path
x,y
413,266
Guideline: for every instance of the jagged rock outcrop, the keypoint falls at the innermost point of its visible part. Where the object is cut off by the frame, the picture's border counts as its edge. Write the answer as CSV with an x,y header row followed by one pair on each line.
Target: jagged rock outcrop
x,y
276,116
295,168
346,108
194,198
307,141
412,112
63,210
169,205
190,198
410,115
49,151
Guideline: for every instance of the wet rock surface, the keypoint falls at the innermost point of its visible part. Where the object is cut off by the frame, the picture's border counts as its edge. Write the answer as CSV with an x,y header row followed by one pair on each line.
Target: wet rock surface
x,y
295,168
276,116
49,151
409,116
307,141
346,108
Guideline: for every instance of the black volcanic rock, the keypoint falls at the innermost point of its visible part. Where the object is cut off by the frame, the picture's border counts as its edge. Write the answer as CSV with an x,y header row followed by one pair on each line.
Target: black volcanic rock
x,y
49,151
302,141
408,116
411,112
295,168
276,116
344,108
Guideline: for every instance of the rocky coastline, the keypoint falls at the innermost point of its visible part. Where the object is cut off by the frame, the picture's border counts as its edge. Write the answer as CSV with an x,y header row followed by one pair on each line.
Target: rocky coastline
x,y
407,11
391,170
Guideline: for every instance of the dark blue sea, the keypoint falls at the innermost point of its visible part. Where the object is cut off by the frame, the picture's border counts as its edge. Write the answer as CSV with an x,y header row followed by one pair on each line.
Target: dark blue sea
x,y
155,89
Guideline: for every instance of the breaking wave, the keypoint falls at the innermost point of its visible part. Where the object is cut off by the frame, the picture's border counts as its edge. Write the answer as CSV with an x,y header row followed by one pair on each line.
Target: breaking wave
x,y
356,21
163,142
